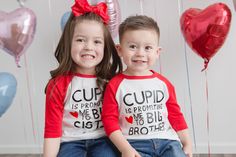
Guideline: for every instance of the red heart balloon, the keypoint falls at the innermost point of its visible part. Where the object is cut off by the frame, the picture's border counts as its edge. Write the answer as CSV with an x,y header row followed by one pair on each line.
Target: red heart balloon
x,y
17,30
205,30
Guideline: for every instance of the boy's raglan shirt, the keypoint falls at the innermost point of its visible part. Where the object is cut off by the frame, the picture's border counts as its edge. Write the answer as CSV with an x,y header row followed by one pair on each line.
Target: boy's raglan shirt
x,y
142,107
73,108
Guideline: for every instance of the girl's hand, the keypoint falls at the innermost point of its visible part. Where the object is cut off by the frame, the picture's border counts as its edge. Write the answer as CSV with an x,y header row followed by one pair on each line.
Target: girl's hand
x,y
130,153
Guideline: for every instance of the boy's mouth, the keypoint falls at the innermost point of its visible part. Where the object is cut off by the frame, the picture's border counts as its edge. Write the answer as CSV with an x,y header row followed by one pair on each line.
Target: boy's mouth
x,y
139,61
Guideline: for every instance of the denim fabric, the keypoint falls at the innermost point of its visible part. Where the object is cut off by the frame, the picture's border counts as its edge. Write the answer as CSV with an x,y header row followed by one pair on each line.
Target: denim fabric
x,y
158,148
101,147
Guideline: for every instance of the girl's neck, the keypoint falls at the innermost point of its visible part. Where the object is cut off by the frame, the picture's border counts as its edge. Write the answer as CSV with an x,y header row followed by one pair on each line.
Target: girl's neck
x,y
86,71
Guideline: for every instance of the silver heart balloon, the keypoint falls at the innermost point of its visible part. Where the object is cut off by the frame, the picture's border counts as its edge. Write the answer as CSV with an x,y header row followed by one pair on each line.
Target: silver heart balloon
x,y
17,30
115,16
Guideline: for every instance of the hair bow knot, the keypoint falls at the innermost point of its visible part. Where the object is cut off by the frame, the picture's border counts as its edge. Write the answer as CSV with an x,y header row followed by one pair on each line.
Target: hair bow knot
x,y
82,7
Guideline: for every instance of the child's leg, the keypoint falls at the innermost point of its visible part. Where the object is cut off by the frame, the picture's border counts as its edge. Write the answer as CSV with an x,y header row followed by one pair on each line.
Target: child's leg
x,y
103,147
170,148
72,149
143,147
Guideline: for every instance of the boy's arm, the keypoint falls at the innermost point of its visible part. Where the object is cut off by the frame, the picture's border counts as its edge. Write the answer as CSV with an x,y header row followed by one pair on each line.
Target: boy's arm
x,y
186,142
110,119
123,145
51,147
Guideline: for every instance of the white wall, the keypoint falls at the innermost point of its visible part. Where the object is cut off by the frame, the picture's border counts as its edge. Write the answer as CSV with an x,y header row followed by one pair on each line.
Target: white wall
x,y
21,127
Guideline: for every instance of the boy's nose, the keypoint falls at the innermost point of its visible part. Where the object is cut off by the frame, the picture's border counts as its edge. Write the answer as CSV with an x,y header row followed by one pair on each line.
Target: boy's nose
x,y
140,52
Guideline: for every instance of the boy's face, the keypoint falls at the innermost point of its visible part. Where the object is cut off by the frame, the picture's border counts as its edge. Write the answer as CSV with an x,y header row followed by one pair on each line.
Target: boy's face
x,y
139,50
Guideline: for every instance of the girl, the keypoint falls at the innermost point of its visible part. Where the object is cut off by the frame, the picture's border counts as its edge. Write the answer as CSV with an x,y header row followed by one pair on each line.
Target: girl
x,y
87,59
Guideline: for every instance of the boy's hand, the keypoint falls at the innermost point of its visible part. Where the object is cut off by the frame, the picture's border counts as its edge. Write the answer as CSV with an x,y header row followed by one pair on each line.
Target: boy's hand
x,y
188,150
130,153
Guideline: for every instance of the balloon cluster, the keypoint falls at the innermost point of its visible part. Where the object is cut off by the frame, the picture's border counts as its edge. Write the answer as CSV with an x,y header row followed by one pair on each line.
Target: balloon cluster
x,y
206,30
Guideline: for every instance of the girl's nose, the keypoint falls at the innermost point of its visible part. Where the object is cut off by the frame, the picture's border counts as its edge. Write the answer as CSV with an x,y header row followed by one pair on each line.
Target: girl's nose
x,y
89,45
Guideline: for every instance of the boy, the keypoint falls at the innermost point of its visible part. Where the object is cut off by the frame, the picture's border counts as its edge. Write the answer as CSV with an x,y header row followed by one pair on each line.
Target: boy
x,y
140,111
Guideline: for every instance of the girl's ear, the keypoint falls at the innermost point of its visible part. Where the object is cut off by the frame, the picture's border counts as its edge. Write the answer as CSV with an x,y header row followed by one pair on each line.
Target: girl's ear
x,y
118,48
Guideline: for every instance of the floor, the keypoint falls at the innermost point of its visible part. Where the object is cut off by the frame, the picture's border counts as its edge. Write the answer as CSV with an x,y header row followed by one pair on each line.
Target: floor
x,y
202,155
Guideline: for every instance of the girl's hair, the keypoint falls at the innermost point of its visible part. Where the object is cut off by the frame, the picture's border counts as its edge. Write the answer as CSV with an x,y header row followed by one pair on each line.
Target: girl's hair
x,y
138,22
110,64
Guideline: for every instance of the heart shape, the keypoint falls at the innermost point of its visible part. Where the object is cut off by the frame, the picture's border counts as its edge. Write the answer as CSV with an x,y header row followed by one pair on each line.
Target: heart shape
x,y
129,119
64,19
74,114
17,30
205,30
8,85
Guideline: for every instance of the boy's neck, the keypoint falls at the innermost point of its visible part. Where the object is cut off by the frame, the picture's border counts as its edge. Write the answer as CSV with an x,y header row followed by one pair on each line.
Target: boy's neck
x,y
133,73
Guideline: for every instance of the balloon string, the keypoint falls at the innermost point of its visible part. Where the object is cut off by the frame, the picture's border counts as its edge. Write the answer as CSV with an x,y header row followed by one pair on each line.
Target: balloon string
x,y
160,67
188,81
51,17
206,61
159,59
234,1
50,8
141,6
24,125
208,119
30,100
21,3
17,60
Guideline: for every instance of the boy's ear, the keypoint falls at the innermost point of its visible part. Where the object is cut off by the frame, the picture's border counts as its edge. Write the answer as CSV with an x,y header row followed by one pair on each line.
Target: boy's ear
x,y
159,51
118,48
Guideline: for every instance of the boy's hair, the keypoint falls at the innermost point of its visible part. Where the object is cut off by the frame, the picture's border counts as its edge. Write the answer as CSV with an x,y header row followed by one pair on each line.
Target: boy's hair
x,y
110,64
138,22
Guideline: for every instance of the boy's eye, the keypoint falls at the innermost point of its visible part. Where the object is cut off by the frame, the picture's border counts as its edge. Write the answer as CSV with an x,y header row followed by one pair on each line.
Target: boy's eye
x,y
148,48
132,46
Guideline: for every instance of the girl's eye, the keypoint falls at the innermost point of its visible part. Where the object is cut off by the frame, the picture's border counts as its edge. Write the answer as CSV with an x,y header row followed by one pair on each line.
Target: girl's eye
x,y
98,42
80,40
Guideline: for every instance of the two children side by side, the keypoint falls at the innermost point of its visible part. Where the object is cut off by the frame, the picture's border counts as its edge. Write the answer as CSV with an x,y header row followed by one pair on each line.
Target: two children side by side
x,y
89,92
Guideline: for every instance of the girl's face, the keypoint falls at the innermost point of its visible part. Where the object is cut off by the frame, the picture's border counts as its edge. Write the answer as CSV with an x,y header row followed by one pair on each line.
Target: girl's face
x,y
87,49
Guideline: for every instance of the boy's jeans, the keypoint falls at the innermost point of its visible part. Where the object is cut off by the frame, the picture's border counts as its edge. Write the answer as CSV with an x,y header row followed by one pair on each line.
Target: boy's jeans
x,y
158,148
101,147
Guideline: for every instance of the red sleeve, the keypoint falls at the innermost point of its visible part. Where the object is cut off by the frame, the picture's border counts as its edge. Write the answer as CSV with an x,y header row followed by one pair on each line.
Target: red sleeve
x,y
53,110
175,115
110,111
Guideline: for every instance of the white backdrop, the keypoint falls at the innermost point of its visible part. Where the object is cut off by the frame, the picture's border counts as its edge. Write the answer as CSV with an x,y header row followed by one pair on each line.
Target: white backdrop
x,y
21,127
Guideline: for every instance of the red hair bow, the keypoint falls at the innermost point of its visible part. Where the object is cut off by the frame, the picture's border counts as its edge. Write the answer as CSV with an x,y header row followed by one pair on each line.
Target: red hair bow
x,y
82,6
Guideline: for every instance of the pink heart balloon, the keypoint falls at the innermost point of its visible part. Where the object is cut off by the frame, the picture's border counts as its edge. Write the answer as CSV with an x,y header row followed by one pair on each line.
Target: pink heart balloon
x,y
17,31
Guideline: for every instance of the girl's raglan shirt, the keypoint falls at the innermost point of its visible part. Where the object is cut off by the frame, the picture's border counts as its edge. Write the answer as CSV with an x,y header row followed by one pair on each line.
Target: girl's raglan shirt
x,y
73,108
142,107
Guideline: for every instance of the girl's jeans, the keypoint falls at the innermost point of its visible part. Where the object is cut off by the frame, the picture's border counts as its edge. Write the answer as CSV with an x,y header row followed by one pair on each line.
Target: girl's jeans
x,y
158,148
101,147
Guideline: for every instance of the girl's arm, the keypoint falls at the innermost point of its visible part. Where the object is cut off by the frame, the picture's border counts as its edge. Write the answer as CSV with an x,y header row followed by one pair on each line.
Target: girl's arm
x,y
123,145
186,142
51,147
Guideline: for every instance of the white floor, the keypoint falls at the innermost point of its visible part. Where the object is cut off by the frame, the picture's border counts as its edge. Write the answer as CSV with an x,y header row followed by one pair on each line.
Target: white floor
x,y
38,155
